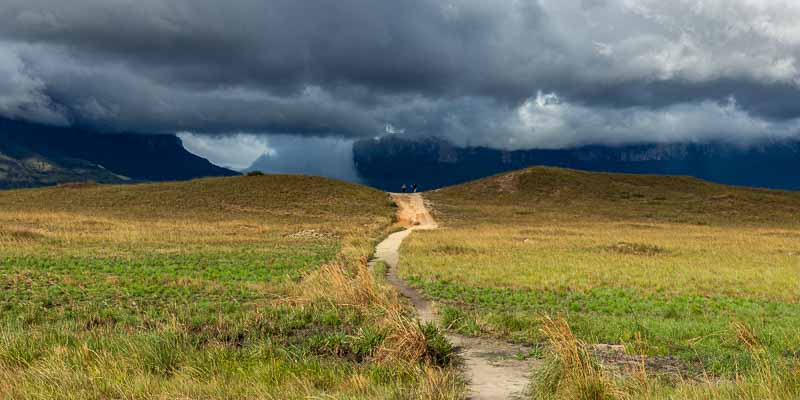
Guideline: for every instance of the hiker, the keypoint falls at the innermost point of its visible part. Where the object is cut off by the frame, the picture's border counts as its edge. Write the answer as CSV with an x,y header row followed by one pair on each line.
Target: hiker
x,y
414,187
404,188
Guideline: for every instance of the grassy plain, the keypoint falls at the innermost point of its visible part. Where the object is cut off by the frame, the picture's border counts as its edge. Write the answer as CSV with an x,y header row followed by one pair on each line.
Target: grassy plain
x,y
673,268
203,289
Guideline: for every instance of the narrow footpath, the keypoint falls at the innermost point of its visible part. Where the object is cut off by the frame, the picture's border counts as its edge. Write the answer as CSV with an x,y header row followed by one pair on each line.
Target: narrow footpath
x,y
492,367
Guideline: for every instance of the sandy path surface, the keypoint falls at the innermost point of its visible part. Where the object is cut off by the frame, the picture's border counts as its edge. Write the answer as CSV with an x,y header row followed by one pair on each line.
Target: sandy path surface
x,y
492,367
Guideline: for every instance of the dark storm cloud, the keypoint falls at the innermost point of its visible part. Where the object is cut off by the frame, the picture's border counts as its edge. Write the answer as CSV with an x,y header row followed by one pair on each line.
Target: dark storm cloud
x,y
410,46
500,73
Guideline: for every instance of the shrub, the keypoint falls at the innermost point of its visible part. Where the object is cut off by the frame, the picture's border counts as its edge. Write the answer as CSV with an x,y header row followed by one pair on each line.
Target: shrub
x,y
365,344
439,351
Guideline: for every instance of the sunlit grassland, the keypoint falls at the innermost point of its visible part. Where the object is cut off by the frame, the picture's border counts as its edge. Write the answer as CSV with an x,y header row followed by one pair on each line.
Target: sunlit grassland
x,y
652,257
675,261
190,290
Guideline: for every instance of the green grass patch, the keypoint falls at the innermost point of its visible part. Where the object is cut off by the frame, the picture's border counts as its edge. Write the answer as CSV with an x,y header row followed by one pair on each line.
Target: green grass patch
x,y
188,290
668,266
693,328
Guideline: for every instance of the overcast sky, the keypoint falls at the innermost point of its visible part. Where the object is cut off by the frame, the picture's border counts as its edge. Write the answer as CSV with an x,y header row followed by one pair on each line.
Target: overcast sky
x,y
507,74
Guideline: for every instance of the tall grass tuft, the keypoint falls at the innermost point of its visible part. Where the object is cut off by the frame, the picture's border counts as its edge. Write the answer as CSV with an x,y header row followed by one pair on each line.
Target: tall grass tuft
x,y
570,371
771,377
405,339
17,350
405,342
343,285
162,354
440,384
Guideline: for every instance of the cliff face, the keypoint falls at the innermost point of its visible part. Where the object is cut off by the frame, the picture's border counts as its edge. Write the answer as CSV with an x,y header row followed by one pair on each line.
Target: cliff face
x,y
34,155
35,170
388,162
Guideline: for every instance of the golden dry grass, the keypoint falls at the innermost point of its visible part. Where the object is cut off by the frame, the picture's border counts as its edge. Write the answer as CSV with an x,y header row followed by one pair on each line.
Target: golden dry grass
x,y
184,290
654,257
670,261
571,372
207,212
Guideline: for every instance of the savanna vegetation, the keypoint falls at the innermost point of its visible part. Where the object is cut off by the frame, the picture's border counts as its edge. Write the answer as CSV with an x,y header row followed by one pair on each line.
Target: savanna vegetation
x,y
629,286
256,287
247,287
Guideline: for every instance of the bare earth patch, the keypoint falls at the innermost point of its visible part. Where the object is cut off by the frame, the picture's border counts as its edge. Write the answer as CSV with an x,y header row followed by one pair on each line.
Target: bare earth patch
x,y
616,357
312,234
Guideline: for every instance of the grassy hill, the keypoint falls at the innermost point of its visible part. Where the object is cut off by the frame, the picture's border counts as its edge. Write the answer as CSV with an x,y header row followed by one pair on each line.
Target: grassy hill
x,y
210,288
268,199
693,275
565,193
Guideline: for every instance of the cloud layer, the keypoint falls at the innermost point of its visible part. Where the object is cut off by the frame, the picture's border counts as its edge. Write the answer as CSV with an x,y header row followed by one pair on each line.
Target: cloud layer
x,y
327,156
508,74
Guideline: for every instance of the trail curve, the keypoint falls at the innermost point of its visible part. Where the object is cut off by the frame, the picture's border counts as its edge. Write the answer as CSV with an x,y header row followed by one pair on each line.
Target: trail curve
x,y
493,368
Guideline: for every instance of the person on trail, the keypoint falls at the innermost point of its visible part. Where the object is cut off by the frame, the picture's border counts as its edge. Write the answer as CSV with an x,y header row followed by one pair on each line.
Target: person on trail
x,y
404,188
414,187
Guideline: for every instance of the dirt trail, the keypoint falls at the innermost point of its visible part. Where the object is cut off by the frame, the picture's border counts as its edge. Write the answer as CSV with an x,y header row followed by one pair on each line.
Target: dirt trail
x,y
492,367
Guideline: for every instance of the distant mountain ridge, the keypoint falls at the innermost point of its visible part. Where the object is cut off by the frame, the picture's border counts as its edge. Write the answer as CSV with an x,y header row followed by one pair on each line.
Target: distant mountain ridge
x,y
388,162
33,155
